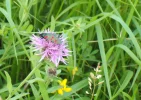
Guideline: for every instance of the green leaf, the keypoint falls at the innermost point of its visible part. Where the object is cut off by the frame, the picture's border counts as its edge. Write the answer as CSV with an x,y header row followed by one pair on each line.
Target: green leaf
x,y
130,33
110,52
52,24
127,95
36,80
25,25
9,84
130,53
126,79
103,56
30,28
70,7
35,92
135,77
8,6
19,96
53,89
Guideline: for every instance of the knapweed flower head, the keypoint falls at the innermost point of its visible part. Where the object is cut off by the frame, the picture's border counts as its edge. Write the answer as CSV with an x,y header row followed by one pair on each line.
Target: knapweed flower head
x,y
51,71
51,46
63,87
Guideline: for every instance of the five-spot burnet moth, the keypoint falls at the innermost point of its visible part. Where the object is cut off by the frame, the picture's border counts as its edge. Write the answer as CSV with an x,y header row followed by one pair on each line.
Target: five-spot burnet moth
x,y
51,37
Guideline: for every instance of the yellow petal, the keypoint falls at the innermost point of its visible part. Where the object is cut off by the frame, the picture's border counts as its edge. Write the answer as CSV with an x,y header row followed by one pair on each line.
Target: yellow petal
x,y
67,89
64,82
74,70
60,91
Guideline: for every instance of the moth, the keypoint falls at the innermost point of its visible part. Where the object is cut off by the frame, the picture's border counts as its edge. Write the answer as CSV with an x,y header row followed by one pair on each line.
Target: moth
x,y
51,37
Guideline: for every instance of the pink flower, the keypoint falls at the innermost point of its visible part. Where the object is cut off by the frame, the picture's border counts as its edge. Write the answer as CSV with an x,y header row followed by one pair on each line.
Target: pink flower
x,y
51,46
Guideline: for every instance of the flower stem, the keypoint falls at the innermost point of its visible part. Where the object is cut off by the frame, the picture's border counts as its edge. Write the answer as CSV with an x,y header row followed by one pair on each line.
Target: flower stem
x,y
42,85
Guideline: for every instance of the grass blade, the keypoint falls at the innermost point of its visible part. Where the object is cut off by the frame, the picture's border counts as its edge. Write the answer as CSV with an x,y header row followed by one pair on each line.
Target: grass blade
x,y
103,56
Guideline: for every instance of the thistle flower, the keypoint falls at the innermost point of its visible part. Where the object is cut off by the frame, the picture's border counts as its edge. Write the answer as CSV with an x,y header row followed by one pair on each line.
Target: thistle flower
x,y
50,46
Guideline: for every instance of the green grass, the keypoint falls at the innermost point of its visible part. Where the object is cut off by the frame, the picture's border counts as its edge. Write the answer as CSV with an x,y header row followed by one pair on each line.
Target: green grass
x,y
106,32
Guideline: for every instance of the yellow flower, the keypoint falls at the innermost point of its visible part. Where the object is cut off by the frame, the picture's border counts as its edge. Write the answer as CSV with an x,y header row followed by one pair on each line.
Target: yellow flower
x,y
67,89
75,69
60,91
63,83
64,87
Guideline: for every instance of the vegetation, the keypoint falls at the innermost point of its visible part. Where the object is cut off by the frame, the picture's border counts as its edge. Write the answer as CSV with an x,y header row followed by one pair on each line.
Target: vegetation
x,y
104,37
